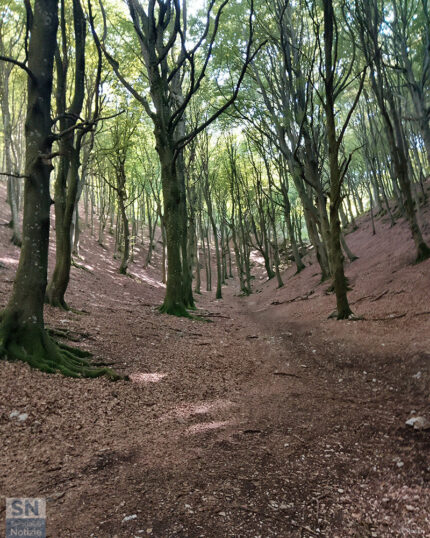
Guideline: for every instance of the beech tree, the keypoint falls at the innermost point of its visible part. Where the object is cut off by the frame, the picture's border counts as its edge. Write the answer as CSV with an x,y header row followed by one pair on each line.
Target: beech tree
x,y
22,331
69,147
369,17
9,48
334,85
174,71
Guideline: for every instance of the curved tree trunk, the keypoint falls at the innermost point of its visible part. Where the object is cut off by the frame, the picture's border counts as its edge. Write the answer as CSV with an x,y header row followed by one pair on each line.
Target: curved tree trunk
x,y
67,183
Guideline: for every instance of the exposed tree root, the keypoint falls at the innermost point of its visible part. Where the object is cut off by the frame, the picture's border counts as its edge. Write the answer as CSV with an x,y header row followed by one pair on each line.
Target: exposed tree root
x,y
56,303
213,315
73,336
348,314
32,344
174,309
423,253
80,266
16,241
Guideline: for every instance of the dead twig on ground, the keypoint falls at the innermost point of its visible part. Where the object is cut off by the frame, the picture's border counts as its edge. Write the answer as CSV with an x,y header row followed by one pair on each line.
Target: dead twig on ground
x,y
213,315
287,374
298,298
379,296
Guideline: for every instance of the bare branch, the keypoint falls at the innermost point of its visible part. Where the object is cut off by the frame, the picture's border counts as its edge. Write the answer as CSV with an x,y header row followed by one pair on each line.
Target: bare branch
x,y
19,64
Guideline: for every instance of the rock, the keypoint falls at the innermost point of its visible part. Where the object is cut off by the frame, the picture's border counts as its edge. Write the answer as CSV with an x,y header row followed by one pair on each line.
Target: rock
x,y
20,416
418,423
422,423
129,518
417,375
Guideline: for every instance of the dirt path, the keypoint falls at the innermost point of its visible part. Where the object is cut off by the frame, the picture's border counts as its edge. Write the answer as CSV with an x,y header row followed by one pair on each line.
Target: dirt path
x,y
234,428
268,421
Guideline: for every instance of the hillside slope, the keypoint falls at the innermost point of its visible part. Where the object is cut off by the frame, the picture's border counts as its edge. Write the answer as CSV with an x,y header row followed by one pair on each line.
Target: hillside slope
x,y
270,421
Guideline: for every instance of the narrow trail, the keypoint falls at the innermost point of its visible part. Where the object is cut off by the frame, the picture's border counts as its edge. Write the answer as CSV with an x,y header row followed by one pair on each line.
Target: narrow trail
x,y
266,421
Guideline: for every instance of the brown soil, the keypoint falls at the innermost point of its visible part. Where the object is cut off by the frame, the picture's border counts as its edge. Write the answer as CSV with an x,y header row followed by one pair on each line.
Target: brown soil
x,y
270,420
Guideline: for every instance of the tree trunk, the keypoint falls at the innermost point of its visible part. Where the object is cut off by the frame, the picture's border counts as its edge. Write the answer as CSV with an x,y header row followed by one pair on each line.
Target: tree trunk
x,y
64,209
174,299
126,229
290,230
22,332
12,182
66,185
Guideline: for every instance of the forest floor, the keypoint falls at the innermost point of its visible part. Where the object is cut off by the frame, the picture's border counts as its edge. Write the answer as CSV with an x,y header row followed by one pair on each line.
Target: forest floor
x,y
267,420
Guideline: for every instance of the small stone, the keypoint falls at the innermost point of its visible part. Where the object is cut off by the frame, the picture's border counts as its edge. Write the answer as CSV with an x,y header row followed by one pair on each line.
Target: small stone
x,y
22,417
129,518
400,464
410,508
14,414
422,423
418,423
417,375
148,531
222,514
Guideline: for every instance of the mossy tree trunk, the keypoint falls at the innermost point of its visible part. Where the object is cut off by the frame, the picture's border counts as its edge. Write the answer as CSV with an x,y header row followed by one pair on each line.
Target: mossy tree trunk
x,y
126,230
22,331
161,29
24,311
174,301
209,206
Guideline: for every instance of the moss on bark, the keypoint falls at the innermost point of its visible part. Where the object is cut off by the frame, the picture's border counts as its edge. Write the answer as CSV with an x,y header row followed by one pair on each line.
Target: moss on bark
x,y
30,343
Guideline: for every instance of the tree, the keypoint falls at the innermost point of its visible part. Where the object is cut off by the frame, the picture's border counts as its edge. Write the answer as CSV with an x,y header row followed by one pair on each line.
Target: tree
x,y
22,331
369,17
8,46
162,34
70,138
334,85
